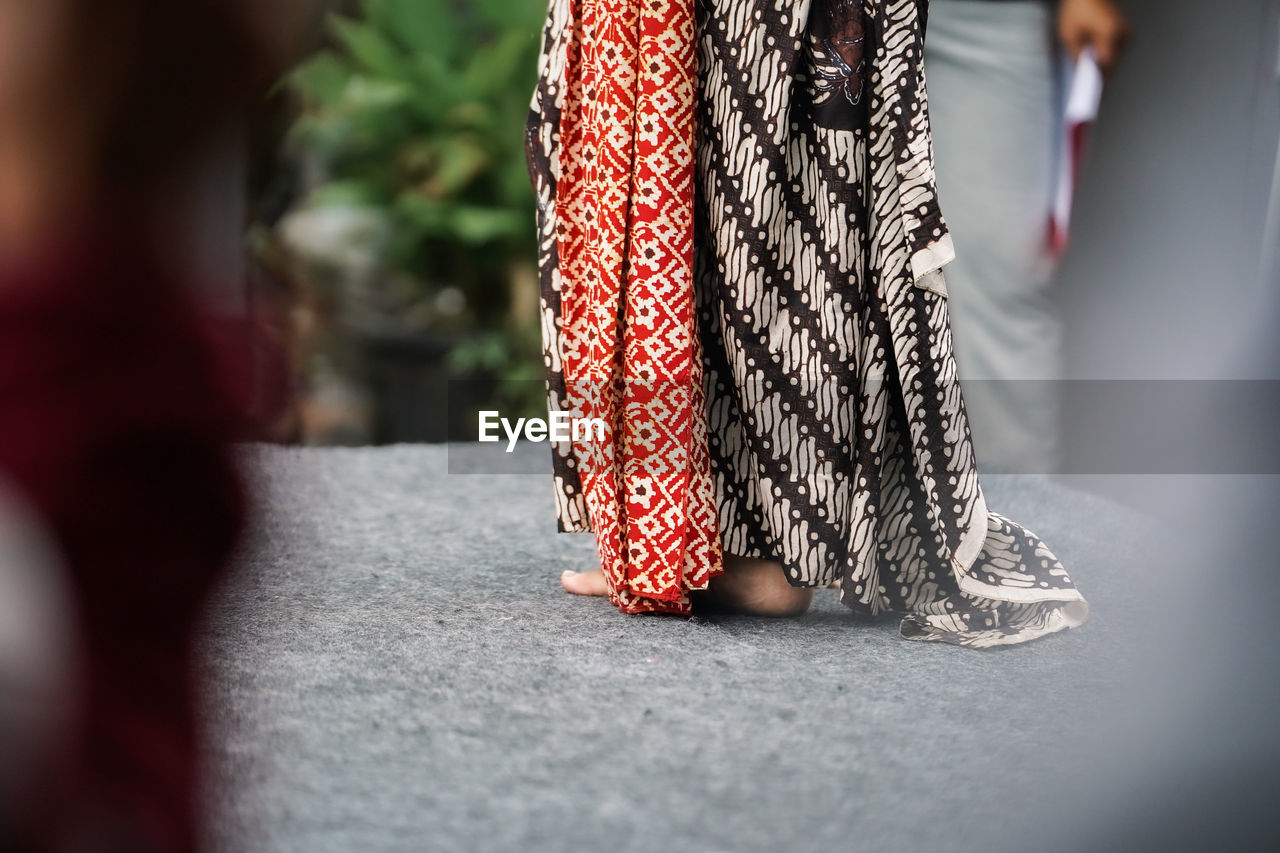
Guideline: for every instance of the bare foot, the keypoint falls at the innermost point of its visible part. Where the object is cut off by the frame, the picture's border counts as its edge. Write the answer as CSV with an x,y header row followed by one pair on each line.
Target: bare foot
x,y
749,586
585,583
753,587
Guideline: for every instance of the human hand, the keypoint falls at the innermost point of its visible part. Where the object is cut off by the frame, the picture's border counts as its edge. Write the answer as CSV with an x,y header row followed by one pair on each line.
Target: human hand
x,y
1096,24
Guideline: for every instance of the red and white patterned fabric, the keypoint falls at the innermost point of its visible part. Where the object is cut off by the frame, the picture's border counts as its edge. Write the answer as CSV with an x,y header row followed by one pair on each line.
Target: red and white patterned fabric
x,y
834,428
630,349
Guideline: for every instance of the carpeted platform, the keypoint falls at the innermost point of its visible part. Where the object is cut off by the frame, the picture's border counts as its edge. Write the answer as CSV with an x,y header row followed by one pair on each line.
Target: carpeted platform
x,y
394,667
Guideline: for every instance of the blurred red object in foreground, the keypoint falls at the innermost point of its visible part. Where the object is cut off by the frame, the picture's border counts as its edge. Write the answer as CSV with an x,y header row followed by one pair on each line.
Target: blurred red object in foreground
x,y
116,417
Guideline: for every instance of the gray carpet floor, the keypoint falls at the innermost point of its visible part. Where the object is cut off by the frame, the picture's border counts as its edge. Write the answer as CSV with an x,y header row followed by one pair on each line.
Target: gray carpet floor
x,y
392,666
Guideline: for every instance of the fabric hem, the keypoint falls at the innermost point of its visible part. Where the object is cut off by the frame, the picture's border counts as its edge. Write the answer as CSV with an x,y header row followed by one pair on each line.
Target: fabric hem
x,y
1058,619
933,257
972,540
1013,595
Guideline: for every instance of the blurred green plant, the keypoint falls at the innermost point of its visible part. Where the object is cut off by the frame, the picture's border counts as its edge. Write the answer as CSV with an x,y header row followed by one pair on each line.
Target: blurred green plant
x,y
417,111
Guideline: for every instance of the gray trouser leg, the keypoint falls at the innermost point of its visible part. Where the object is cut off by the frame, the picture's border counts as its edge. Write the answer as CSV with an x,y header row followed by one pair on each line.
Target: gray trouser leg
x,y
994,99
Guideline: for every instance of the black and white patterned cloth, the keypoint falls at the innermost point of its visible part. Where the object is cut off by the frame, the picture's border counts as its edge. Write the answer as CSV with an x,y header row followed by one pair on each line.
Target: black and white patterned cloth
x,y
839,441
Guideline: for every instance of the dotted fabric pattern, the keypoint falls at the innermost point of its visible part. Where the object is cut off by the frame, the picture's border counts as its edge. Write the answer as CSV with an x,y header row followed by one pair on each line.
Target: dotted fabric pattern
x,y
837,434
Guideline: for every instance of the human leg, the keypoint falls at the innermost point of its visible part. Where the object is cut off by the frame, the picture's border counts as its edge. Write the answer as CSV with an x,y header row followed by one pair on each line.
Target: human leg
x,y
993,96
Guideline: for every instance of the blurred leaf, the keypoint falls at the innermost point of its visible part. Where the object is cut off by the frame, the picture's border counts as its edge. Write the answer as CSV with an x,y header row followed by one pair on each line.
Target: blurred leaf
x,y
458,161
363,93
430,70
482,224
487,352
418,112
416,158
423,26
471,115
370,48
514,182
491,69
435,91
348,193
428,216
526,371
321,79
523,16
326,134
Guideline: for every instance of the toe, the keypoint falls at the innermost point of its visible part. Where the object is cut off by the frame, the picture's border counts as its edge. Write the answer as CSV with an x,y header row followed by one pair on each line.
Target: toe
x,y
585,583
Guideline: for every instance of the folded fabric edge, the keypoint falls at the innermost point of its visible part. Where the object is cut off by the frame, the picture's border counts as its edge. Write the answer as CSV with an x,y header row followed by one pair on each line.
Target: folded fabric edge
x,y
1056,619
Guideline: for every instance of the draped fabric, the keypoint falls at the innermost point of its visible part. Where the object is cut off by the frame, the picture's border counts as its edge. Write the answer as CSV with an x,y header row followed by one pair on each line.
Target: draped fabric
x,y
629,341
836,432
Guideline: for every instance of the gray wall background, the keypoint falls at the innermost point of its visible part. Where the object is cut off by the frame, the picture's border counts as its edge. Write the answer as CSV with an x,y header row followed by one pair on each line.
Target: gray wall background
x,y
1172,270
1164,278
1172,275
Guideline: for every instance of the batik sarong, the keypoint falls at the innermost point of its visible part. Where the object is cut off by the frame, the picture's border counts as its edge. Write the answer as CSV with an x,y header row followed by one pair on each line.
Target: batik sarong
x,y
836,433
